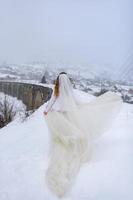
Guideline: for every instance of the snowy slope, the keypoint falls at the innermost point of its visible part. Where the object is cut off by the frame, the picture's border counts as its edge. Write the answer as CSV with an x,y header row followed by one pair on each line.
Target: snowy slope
x,y
23,161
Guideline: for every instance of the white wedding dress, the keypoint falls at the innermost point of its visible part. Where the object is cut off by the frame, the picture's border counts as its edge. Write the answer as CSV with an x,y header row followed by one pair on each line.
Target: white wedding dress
x,y
72,126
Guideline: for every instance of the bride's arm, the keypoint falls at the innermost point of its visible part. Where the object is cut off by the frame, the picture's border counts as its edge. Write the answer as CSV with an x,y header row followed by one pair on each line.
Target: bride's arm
x,y
50,104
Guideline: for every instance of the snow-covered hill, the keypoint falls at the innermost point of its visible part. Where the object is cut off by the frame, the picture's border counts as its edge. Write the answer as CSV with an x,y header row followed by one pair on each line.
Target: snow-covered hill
x,y
35,71
89,78
23,160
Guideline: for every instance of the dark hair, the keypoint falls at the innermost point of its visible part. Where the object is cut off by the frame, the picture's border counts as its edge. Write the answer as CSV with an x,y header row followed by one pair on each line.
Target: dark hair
x,y
56,88
62,73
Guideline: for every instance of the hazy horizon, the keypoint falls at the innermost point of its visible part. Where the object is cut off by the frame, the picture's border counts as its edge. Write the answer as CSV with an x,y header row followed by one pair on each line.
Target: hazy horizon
x,y
75,32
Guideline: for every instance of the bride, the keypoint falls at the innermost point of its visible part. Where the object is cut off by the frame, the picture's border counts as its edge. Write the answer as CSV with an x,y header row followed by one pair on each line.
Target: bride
x,y
72,126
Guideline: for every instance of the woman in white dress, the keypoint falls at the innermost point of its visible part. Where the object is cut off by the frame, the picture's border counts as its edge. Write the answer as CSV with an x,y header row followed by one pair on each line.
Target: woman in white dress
x,y
72,126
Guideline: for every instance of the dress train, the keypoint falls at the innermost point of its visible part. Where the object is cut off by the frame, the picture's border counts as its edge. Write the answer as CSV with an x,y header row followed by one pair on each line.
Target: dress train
x,y
71,135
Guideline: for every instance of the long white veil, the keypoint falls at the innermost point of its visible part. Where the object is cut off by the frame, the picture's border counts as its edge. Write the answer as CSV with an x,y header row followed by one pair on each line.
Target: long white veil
x,y
92,118
66,100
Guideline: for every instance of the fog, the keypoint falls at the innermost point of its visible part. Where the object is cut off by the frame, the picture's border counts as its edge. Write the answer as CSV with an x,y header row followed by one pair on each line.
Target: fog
x,y
67,31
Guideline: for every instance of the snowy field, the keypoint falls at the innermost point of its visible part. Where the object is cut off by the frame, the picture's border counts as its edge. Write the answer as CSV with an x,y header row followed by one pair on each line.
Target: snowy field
x,y
23,161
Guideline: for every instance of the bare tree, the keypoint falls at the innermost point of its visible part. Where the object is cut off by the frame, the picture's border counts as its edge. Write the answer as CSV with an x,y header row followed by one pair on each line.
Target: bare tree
x,y
7,112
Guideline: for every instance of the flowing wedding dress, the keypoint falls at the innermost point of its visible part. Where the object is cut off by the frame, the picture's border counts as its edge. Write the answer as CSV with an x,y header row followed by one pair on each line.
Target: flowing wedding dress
x,y
72,126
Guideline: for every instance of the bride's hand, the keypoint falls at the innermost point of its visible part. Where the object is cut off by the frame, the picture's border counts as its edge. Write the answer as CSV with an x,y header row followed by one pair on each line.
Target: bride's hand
x,y
45,113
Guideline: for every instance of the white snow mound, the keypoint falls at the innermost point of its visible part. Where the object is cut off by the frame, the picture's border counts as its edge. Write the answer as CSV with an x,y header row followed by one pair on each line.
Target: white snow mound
x,y
23,161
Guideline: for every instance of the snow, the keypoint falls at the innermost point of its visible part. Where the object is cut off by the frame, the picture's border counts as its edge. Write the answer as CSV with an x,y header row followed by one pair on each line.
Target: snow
x,y
6,75
35,71
19,108
23,160
109,174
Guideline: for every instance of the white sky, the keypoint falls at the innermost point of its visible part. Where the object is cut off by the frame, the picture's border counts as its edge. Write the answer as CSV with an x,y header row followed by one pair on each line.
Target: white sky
x,y
70,31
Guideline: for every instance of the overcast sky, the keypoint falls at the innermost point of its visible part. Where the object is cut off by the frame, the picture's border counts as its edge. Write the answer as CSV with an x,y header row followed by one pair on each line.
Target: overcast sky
x,y
70,31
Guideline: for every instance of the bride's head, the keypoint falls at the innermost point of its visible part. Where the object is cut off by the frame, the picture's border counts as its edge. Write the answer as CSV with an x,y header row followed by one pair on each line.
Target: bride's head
x,y
57,84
